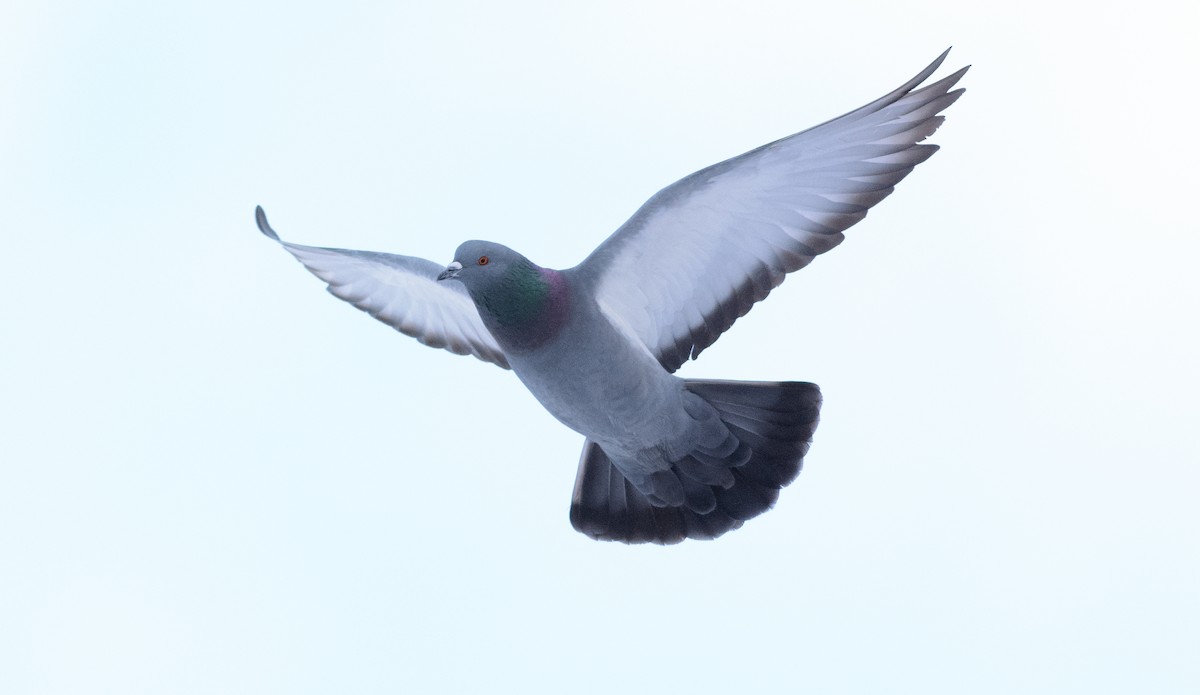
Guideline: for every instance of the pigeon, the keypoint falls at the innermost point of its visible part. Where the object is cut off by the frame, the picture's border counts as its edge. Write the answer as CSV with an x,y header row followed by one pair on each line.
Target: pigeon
x,y
665,458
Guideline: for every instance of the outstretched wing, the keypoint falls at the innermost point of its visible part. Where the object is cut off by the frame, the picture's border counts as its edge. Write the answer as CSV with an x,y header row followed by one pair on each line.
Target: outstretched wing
x,y
702,251
401,291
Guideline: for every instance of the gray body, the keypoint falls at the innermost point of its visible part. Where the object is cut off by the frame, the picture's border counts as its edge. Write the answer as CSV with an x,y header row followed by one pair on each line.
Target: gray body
x,y
665,458
595,380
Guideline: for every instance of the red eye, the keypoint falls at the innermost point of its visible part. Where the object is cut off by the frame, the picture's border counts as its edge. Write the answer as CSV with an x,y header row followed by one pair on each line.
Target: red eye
x,y
483,260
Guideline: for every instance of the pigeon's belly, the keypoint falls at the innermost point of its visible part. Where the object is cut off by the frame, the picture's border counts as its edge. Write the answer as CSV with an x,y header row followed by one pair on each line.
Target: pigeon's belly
x,y
606,388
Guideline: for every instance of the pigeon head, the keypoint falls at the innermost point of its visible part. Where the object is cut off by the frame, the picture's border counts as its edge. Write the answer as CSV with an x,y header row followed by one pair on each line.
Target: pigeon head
x,y
521,303
480,264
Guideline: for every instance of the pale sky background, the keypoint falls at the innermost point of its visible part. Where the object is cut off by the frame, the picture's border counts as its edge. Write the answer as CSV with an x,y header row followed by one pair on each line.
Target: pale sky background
x,y
216,478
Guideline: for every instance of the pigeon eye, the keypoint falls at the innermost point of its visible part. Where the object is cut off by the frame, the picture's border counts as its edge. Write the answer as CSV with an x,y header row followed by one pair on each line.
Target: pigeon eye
x,y
483,260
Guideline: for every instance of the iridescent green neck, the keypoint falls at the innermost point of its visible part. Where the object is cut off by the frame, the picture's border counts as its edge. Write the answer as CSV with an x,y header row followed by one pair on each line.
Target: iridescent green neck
x,y
525,307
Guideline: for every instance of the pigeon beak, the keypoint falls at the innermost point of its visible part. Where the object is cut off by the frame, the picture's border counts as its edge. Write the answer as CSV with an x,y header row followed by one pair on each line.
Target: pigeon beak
x,y
451,271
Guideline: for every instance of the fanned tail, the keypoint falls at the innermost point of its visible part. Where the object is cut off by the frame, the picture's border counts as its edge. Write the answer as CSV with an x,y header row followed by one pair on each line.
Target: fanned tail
x,y
773,423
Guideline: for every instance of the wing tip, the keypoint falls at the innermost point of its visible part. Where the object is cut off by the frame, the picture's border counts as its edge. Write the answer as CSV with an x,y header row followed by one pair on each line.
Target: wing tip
x,y
938,61
924,74
260,217
957,75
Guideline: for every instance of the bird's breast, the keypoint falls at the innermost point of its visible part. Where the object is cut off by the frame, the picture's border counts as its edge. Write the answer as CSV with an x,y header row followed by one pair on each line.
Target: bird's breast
x,y
593,379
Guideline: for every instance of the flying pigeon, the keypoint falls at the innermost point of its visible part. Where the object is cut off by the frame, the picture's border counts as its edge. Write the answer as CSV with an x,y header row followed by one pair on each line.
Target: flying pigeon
x,y
665,458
